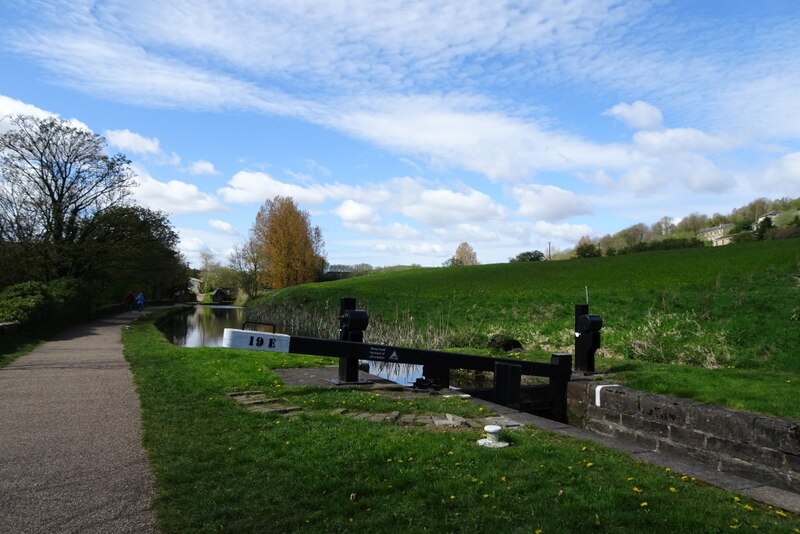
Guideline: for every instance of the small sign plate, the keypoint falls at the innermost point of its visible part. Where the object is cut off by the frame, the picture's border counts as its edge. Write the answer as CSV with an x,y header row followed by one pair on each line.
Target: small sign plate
x,y
253,340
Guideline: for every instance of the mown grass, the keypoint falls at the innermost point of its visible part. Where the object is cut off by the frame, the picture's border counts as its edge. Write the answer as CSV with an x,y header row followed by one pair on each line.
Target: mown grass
x,y
725,320
221,468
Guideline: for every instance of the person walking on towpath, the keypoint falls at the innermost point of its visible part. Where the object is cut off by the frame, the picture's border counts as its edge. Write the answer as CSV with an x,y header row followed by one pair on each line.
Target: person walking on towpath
x,y
140,301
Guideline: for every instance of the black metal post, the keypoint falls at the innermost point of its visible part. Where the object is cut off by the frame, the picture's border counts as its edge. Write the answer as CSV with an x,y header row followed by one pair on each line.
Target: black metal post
x,y
348,363
587,338
558,385
507,384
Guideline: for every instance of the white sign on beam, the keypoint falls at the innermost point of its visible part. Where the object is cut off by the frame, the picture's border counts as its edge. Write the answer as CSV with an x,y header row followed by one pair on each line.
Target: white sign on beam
x,y
253,340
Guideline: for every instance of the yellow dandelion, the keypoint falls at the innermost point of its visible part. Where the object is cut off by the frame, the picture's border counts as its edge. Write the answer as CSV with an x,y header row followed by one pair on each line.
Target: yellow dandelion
x,y
673,490
450,453
629,479
748,507
583,448
636,490
736,498
684,478
781,513
734,527
667,469
644,504
538,531
485,495
503,478
589,464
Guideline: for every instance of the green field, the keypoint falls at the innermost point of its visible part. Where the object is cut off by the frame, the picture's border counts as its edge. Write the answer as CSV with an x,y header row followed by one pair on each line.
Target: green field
x,y
715,324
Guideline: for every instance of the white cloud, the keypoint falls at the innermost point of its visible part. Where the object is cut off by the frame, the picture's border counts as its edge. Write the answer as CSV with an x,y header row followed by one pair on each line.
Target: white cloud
x,y
639,115
256,187
202,167
549,203
563,232
683,139
783,175
351,211
174,196
763,105
441,207
132,142
223,226
455,131
10,107
470,232
150,148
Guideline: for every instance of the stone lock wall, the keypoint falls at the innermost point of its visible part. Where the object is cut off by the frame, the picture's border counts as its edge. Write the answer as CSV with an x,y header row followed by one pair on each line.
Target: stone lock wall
x,y
755,446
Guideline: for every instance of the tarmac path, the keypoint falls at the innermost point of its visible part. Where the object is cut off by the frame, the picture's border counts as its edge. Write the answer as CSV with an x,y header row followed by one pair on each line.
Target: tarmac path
x,y
71,454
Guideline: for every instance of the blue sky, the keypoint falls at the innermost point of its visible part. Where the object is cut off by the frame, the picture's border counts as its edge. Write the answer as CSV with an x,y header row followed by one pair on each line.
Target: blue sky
x,y
407,127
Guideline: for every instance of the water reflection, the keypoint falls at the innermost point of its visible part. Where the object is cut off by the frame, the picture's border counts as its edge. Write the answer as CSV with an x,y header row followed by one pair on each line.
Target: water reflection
x,y
401,373
203,326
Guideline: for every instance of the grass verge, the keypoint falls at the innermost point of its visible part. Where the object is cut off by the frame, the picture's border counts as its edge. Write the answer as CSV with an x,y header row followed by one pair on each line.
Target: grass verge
x,y
221,468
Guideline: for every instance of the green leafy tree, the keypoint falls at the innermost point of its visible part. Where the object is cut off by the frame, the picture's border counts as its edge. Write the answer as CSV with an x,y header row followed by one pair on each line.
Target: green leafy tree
x,y
587,249
531,255
764,227
132,248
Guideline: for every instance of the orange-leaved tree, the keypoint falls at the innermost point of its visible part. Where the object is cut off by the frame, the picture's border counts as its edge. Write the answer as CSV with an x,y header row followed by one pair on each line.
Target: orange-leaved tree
x,y
292,248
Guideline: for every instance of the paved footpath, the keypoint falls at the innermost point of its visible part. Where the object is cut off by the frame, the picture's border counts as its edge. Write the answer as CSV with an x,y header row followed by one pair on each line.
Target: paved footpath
x,y
71,455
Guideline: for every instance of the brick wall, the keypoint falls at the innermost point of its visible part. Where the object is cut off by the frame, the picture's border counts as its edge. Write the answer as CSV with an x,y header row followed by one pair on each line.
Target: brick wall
x,y
759,447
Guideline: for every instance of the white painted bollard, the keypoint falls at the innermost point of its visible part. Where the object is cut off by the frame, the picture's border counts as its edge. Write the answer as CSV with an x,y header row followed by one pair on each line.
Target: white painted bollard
x,y
492,439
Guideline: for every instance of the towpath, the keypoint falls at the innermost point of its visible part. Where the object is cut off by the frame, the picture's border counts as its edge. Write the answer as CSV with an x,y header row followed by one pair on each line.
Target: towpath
x,y
71,455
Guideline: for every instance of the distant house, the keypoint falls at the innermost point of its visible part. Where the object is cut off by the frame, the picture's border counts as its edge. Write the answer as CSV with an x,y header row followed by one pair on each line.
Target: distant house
x,y
717,235
772,215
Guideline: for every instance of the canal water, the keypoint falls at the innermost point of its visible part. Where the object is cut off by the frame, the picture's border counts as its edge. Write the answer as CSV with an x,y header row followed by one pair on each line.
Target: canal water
x,y
204,326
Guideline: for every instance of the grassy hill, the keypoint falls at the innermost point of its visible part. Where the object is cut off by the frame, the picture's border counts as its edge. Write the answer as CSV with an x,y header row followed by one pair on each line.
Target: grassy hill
x,y
731,310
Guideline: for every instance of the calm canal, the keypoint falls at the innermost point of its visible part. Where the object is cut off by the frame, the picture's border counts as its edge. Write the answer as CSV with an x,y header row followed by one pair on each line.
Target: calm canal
x,y
204,326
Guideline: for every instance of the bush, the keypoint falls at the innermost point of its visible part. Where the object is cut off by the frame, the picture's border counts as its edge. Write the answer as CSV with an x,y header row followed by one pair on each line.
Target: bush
x,y
24,303
38,306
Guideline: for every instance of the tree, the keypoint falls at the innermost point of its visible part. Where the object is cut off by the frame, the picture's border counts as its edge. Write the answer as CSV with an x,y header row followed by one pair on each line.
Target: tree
x,y
465,255
130,248
531,255
208,266
692,223
54,179
587,249
663,227
293,249
763,227
249,265
633,235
